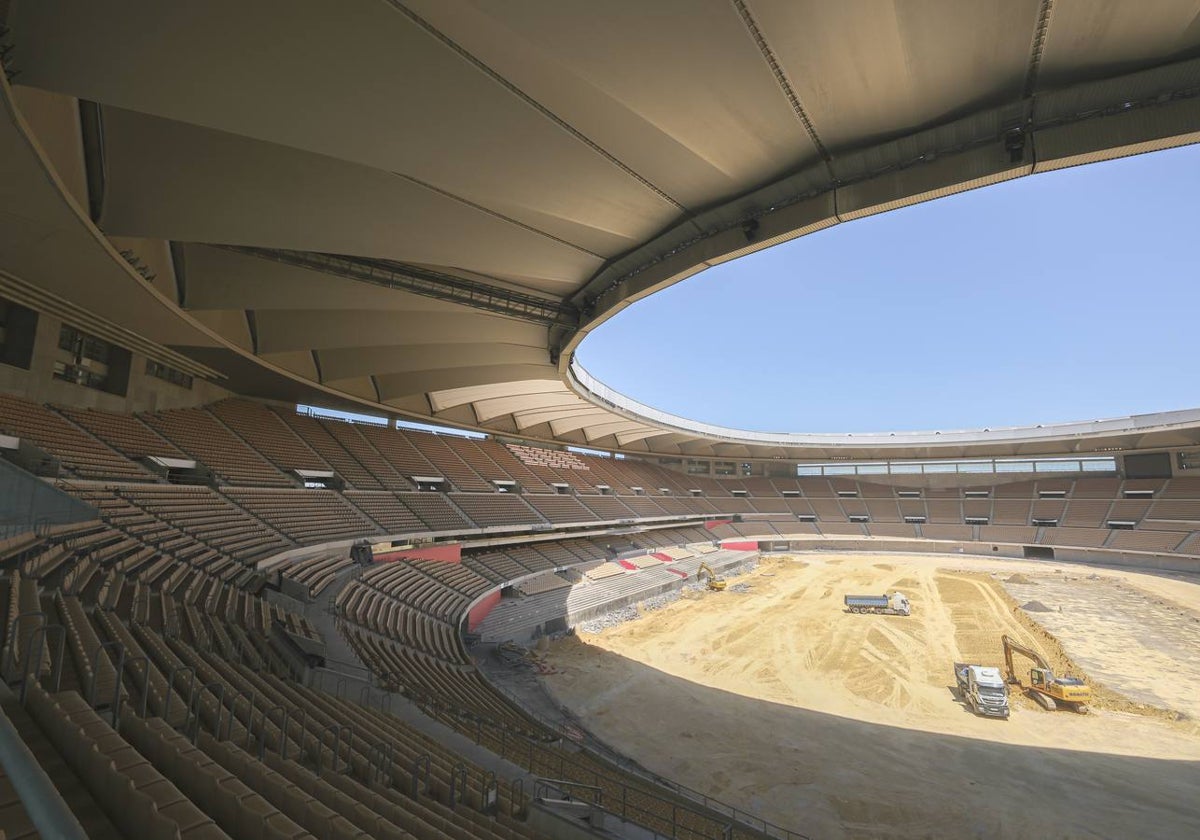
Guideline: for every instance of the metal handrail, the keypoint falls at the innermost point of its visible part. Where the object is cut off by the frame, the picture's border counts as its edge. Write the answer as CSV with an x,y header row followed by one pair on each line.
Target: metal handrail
x,y
251,699
381,768
264,717
193,719
39,796
39,633
130,661
421,761
178,669
11,639
458,784
337,730
119,647
283,729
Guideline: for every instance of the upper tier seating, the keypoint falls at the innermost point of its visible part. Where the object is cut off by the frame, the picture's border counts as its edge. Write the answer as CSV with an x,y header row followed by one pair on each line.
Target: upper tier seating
x,y
354,439
561,509
124,433
249,445
496,509
384,508
204,438
435,511
404,458
322,441
513,467
268,434
77,451
209,517
438,451
553,458
608,507
306,516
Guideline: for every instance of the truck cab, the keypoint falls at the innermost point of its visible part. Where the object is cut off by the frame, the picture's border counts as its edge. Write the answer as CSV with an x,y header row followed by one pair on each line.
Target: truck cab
x,y
983,689
898,603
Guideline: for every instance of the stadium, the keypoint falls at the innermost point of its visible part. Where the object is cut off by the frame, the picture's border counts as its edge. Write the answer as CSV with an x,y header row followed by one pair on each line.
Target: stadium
x,y
313,523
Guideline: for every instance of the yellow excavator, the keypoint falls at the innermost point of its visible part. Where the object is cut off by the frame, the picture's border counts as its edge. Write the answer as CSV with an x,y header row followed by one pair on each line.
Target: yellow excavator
x,y
1049,691
715,584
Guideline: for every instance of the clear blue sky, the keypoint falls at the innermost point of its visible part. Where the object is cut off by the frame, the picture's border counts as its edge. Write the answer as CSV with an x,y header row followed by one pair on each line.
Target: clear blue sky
x,y
1072,295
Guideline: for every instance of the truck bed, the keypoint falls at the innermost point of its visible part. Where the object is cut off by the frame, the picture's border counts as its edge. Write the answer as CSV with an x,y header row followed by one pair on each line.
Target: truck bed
x,y
866,600
960,673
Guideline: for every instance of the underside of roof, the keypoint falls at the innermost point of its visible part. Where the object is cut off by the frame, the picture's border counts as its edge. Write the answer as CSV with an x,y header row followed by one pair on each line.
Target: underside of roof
x,y
423,207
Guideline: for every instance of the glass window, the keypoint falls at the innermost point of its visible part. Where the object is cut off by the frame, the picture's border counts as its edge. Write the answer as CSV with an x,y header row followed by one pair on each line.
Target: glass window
x,y
67,338
1056,466
940,467
975,466
1014,466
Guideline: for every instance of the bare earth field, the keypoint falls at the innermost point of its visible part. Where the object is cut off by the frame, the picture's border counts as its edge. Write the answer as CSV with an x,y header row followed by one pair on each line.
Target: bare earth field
x,y
845,726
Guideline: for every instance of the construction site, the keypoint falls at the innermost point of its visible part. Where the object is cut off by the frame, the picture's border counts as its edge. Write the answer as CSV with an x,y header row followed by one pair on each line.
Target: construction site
x,y
786,702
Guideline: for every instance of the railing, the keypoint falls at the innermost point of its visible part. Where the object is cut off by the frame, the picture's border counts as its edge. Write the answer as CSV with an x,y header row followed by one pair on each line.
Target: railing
x,y
544,756
47,809
29,504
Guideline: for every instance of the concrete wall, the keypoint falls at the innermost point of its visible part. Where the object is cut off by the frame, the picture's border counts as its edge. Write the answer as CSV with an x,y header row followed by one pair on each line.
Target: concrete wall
x,y
145,393
1100,557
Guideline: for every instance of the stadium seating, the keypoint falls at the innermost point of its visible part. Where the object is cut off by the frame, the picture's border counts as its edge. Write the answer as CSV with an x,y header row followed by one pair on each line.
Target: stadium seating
x,y
262,429
209,517
322,441
436,511
437,450
499,509
561,509
169,574
354,439
318,573
304,516
204,438
123,432
79,452
387,510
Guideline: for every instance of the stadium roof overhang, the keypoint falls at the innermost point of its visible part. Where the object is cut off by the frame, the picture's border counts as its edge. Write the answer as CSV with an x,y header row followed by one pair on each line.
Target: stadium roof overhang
x,y
423,207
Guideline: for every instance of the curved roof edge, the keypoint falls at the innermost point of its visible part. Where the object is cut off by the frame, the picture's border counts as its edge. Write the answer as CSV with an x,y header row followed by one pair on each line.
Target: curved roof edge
x,y
595,391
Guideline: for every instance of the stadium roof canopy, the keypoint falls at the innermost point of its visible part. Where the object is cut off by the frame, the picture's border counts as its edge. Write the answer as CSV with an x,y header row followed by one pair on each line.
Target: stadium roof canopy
x,y
424,206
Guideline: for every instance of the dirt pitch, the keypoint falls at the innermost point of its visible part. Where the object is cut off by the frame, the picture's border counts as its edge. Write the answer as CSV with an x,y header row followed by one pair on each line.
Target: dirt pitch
x,y
846,726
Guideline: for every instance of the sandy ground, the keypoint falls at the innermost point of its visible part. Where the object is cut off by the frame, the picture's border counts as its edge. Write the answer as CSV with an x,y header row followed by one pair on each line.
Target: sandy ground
x,y
1133,641
842,725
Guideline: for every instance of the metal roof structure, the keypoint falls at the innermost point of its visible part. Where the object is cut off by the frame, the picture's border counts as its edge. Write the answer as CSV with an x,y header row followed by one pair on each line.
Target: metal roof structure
x,y
422,207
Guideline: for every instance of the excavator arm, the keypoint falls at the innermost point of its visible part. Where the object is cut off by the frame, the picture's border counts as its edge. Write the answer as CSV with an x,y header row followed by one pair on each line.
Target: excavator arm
x,y
1011,647
714,583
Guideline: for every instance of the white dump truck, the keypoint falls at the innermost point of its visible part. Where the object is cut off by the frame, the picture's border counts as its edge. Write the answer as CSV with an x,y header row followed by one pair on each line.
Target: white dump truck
x,y
894,604
983,689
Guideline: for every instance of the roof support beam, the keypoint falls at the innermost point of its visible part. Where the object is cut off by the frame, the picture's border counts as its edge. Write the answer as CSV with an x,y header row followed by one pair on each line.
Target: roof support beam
x,y
424,281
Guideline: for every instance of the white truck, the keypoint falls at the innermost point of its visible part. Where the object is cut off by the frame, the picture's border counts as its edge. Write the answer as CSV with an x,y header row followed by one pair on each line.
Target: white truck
x,y
983,689
894,604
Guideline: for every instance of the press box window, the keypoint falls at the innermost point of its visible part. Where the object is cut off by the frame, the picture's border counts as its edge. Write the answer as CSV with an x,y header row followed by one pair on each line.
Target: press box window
x,y
168,374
